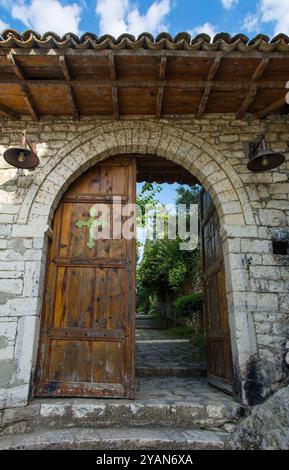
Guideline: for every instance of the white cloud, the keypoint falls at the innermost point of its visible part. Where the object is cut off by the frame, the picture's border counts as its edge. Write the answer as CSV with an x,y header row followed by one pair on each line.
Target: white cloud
x,y
122,16
46,15
251,22
3,25
276,11
207,28
229,3
269,11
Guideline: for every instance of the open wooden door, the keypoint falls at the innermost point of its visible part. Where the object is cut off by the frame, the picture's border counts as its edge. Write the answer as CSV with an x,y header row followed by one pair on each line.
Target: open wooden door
x,y
219,357
87,331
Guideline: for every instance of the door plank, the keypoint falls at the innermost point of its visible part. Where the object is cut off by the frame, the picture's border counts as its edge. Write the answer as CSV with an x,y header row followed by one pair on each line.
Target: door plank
x,y
87,330
219,356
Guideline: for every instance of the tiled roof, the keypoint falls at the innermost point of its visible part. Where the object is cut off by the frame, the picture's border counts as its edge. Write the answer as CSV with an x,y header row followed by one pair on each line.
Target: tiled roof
x,y
164,41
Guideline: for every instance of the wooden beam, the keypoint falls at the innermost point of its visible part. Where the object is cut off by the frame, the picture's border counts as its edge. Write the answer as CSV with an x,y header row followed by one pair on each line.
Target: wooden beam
x,y
180,84
143,52
111,64
16,67
73,103
211,75
249,98
70,91
114,90
163,68
160,97
275,106
115,106
7,112
64,67
29,101
261,68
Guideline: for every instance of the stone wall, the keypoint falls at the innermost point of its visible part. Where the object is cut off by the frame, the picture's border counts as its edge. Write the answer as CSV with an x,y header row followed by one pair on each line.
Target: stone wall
x,y
267,427
252,207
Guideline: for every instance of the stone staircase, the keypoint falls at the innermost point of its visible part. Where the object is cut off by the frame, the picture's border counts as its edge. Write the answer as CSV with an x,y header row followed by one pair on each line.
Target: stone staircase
x,y
158,355
168,413
174,407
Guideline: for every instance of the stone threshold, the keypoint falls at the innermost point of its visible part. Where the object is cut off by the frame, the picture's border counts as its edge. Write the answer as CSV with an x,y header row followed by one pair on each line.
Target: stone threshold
x,y
160,402
118,439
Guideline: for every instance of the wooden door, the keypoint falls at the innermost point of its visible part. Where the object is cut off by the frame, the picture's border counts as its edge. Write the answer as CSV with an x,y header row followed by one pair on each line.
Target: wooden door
x,y
216,319
87,332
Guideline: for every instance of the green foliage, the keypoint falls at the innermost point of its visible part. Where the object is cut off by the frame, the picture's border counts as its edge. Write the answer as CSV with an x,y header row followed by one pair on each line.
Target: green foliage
x,y
166,272
166,268
189,195
147,196
187,304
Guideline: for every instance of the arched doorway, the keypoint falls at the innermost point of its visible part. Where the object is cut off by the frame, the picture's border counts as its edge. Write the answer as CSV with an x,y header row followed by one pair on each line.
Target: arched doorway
x,y
87,339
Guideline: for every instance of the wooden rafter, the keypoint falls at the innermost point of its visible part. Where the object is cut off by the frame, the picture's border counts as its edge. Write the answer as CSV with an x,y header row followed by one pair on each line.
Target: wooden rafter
x,y
29,101
23,85
64,67
7,112
33,78
70,91
249,98
114,90
208,88
160,97
275,106
15,65
115,105
73,103
143,52
112,68
225,85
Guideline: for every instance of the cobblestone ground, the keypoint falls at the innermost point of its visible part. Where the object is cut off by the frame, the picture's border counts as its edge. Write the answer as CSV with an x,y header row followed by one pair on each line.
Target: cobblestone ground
x,y
178,389
168,354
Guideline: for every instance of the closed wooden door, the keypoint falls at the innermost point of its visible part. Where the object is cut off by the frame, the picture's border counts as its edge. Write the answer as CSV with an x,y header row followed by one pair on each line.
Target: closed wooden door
x,y
87,331
215,301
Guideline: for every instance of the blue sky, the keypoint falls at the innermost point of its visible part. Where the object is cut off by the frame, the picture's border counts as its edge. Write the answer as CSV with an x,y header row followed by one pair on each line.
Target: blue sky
x,y
118,16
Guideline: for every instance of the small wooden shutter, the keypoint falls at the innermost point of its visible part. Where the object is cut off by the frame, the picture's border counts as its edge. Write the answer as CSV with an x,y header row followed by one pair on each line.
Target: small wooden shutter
x,y
216,319
87,331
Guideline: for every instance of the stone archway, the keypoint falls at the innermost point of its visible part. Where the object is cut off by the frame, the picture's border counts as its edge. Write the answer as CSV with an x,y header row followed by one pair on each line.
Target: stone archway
x,y
196,155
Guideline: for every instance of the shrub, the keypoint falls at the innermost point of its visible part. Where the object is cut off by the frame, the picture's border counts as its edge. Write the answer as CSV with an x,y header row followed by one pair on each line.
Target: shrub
x,y
186,305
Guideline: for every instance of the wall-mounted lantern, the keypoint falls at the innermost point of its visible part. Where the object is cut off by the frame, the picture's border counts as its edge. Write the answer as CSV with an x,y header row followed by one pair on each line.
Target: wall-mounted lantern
x,y
23,156
261,158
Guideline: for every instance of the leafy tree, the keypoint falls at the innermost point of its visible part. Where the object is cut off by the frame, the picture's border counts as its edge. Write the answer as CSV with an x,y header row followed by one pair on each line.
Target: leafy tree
x,y
147,197
166,272
188,195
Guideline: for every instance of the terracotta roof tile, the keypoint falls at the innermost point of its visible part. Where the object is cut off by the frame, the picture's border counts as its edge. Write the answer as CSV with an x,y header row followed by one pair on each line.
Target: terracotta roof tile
x,y
164,41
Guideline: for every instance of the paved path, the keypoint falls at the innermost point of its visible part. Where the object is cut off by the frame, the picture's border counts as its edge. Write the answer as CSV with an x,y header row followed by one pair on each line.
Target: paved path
x,y
157,354
168,354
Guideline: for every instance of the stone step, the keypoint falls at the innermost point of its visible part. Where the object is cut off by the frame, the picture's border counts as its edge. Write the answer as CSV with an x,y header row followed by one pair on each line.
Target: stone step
x,y
169,401
105,413
148,323
156,438
162,371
